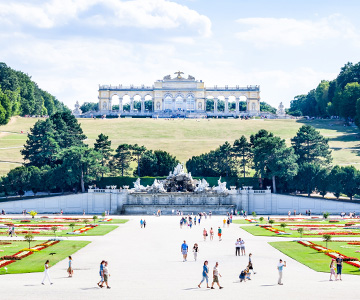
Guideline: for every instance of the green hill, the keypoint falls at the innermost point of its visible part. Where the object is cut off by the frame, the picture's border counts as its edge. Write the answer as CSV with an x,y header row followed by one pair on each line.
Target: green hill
x,y
185,138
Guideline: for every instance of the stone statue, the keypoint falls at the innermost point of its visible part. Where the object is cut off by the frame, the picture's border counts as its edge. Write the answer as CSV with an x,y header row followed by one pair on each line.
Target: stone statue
x,y
157,187
200,105
281,110
157,105
191,77
179,169
221,188
202,186
138,187
179,74
77,111
167,77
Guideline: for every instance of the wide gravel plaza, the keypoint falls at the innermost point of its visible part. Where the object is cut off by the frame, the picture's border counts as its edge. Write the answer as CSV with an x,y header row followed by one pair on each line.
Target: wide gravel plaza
x,y
147,264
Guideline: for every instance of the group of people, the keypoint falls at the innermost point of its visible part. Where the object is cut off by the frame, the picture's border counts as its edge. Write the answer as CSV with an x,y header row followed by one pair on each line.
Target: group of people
x,y
104,274
239,247
142,223
205,276
11,230
69,270
246,273
336,265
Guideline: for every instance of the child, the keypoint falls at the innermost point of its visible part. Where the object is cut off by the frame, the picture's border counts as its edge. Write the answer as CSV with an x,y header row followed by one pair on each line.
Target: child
x,y
332,269
242,276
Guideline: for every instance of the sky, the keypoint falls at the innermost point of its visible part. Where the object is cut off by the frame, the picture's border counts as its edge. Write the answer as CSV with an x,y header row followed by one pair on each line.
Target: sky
x,y
69,47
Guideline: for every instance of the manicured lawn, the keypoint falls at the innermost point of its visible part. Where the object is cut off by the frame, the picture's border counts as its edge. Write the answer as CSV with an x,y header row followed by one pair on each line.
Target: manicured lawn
x,y
35,262
316,260
96,231
240,221
258,231
116,221
185,138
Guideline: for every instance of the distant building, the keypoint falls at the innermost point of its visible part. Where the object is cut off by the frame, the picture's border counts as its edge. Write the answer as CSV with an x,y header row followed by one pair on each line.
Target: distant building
x,y
179,96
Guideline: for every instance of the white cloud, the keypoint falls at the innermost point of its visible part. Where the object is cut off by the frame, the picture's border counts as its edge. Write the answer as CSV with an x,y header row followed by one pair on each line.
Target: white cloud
x,y
137,13
284,31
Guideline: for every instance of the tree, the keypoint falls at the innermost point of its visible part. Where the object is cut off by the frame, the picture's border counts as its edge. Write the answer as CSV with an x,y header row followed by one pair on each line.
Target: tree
x,y
300,230
18,180
122,159
322,181
335,181
89,106
28,237
350,181
81,165
283,225
254,214
36,179
326,215
271,221
103,145
273,159
327,238
242,151
54,229
95,218
5,108
311,146
261,219
224,159
157,163
72,225
349,96
307,177
138,152
42,145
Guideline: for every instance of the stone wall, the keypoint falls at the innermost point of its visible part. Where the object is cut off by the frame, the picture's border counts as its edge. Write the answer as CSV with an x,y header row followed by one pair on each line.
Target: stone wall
x,y
263,202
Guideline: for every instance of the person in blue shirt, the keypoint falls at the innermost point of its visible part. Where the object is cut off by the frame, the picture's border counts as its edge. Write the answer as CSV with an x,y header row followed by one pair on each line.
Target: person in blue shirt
x,y
280,267
184,250
205,275
101,282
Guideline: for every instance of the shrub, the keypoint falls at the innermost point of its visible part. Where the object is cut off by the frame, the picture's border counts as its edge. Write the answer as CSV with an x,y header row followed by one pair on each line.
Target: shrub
x,y
29,238
326,215
300,230
271,221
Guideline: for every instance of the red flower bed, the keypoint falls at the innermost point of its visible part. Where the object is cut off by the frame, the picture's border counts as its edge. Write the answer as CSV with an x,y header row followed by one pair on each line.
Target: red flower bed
x,y
5,263
354,243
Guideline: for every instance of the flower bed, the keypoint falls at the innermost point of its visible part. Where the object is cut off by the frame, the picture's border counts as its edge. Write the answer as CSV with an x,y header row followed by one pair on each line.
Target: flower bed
x,y
84,229
251,221
354,243
4,263
333,233
354,261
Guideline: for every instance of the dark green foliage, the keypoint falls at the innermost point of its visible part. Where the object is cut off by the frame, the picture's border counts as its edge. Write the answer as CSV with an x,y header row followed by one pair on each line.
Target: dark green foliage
x,y
23,96
121,160
311,146
89,106
157,163
242,152
332,98
267,107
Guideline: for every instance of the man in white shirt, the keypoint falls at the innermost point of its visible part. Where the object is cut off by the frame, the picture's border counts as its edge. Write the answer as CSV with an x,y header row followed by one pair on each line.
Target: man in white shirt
x,y
280,267
216,275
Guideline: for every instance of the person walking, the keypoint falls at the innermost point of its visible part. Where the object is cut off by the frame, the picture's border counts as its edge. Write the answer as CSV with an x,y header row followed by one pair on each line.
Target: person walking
x,y
205,234
70,269
224,222
332,269
141,223
242,246
211,234
184,250
144,223
106,275
219,233
216,275
280,268
339,265
237,248
205,275
46,272
101,273
195,250
250,265
228,222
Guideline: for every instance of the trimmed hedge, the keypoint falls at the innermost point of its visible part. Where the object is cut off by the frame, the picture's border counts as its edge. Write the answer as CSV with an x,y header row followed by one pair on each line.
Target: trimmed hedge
x,y
121,181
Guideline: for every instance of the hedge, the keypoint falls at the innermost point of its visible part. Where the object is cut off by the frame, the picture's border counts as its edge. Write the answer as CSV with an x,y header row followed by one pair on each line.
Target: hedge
x,y
230,181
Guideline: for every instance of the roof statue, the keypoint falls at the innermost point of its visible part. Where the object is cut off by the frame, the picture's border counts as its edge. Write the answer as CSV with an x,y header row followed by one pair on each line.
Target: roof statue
x,y
191,77
179,74
167,77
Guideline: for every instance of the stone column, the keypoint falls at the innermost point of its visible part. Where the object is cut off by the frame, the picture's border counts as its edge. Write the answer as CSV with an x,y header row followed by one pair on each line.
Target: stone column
x,y
215,105
173,105
121,106
142,105
110,104
237,105
131,104
226,105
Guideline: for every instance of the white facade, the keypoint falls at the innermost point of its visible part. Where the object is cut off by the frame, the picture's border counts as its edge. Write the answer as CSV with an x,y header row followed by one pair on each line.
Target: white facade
x,y
179,94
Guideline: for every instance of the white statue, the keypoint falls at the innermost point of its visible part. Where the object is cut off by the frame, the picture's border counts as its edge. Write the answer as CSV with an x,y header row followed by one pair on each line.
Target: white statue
x,y
179,169
157,187
202,186
281,110
221,188
138,187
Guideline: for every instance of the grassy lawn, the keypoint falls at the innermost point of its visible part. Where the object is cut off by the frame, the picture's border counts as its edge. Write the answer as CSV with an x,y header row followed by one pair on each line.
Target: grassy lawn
x,y
316,260
117,221
35,262
96,231
258,231
185,138
241,221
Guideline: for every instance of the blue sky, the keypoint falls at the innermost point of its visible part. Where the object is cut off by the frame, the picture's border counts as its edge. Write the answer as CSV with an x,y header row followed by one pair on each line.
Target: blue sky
x,y
286,47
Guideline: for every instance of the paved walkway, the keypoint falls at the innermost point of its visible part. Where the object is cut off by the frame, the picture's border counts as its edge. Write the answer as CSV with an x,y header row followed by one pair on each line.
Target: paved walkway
x,y
147,264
